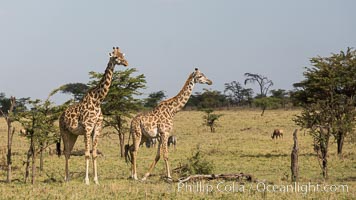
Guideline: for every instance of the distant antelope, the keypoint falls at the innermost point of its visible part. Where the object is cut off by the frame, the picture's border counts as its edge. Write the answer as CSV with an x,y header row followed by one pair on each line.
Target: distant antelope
x,y
277,133
172,140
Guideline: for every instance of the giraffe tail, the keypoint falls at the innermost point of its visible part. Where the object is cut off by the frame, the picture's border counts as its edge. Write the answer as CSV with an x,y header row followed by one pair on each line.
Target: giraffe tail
x,y
127,149
58,147
127,153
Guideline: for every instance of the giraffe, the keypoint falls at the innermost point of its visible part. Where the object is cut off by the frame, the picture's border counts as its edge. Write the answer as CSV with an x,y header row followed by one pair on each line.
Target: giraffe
x,y
158,123
85,118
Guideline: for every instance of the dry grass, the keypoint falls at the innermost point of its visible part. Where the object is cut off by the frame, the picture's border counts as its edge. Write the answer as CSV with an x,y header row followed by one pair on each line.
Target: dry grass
x,y
242,143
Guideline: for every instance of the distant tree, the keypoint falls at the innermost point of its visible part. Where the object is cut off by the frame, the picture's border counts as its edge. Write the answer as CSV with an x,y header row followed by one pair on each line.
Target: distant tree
x,y
193,101
327,96
266,102
121,101
39,123
238,95
281,95
247,93
154,98
5,104
78,90
264,84
207,99
211,99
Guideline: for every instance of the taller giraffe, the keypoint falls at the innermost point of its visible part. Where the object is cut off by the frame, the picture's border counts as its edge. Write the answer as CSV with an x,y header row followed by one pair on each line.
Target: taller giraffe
x,y
159,123
85,117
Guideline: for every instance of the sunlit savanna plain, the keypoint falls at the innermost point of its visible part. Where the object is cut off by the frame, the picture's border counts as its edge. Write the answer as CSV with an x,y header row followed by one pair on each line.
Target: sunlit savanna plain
x,y
242,143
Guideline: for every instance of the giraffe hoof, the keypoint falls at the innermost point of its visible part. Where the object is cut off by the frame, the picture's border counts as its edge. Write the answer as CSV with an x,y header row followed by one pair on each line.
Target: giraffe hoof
x,y
86,181
132,178
168,179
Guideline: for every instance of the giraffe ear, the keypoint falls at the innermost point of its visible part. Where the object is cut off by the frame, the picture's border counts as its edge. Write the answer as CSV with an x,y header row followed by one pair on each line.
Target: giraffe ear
x,y
110,54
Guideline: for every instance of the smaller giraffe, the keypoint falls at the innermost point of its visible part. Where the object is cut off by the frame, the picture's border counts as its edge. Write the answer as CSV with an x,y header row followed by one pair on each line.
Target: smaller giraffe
x,y
158,123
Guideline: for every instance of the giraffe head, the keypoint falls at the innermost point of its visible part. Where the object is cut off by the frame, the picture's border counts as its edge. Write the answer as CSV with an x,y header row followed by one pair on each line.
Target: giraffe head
x,y
199,77
118,58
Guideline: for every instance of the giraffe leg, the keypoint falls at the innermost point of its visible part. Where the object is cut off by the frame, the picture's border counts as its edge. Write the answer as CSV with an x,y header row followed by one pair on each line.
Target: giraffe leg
x,y
164,151
87,137
136,145
68,141
97,131
153,164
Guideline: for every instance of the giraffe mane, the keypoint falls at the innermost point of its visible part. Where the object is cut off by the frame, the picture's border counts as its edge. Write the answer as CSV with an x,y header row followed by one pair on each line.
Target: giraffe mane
x,y
180,92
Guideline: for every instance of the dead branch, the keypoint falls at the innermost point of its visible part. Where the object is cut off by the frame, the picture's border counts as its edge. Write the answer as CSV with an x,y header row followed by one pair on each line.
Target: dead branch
x,y
228,177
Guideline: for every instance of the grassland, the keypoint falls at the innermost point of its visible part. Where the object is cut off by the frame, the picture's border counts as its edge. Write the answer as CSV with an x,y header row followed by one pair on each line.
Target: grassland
x,y
242,143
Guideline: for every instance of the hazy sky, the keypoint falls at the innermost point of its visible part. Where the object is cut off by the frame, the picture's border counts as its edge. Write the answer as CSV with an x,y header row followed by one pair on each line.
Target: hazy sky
x,y
45,44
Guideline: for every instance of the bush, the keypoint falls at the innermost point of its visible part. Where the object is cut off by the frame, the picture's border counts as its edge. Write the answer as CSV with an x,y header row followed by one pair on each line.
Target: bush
x,y
197,164
210,119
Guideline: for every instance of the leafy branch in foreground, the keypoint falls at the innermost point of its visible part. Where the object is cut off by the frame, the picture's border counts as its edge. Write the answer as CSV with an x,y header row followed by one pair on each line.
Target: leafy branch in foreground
x,y
40,130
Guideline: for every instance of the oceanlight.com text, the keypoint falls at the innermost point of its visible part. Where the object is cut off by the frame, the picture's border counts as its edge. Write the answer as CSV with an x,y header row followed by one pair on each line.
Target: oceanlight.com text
x,y
236,187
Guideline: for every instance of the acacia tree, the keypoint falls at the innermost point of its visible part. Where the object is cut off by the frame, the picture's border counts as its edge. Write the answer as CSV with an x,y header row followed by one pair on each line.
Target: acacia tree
x,y
78,90
327,96
264,83
121,102
39,123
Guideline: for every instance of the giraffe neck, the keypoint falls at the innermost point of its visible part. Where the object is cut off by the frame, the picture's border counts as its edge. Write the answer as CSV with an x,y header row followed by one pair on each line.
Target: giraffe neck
x,y
176,103
99,92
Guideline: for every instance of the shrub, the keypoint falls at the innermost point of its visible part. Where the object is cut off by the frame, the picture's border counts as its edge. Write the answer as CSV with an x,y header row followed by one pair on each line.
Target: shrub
x,y
196,164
